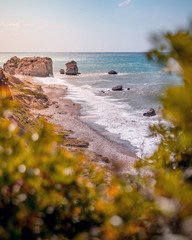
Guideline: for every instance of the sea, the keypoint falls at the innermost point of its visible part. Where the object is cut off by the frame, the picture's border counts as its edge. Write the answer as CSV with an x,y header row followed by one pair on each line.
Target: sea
x,y
118,115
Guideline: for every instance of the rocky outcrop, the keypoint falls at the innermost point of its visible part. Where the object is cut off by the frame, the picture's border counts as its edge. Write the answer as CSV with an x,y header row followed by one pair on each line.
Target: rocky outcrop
x,y
62,71
4,84
31,66
72,68
150,113
117,88
112,72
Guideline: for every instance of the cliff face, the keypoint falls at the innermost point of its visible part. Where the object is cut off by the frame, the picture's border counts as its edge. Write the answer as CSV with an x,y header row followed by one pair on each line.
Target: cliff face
x,y
4,84
31,66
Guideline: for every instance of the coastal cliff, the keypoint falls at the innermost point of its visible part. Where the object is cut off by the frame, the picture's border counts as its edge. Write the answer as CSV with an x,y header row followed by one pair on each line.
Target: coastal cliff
x,y
30,66
4,83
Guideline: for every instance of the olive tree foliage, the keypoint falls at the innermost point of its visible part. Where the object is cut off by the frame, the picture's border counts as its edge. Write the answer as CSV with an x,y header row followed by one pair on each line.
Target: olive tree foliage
x,y
48,193
171,164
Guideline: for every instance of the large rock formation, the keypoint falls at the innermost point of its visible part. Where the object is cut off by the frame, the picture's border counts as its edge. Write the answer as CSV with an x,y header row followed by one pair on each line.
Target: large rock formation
x,y
4,84
31,66
72,68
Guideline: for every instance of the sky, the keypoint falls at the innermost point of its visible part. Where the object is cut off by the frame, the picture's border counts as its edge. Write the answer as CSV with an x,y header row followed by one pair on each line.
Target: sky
x,y
87,25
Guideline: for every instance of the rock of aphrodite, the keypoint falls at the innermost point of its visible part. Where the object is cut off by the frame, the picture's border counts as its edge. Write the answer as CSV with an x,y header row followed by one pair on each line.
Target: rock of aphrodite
x,y
31,66
150,113
117,88
72,68
62,71
112,72
4,84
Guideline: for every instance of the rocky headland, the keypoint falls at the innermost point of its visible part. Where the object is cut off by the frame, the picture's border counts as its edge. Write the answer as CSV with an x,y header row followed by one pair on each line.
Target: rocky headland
x,y
30,66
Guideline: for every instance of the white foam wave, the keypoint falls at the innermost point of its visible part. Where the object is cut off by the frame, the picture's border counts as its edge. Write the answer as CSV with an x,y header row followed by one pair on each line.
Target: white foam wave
x,y
117,118
49,80
90,74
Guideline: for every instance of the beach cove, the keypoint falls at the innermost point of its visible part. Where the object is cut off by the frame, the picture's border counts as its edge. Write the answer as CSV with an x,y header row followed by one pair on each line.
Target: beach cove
x,y
115,117
65,113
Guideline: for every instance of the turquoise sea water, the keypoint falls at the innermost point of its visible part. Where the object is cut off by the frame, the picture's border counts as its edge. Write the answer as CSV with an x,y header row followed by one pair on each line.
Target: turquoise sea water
x,y
118,115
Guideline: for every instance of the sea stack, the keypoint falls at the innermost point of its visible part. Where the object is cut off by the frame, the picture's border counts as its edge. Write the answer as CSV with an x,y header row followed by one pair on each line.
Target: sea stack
x,y
30,66
72,68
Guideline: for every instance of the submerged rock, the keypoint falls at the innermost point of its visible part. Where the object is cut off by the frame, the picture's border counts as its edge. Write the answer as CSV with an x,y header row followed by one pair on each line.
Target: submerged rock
x,y
150,113
117,88
72,68
62,71
112,72
31,66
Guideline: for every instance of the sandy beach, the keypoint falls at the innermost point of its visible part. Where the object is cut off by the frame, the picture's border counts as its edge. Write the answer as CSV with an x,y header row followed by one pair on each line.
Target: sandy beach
x,y
65,113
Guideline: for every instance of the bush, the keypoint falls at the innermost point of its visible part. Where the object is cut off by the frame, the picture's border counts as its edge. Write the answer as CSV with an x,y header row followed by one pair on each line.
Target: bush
x,y
46,193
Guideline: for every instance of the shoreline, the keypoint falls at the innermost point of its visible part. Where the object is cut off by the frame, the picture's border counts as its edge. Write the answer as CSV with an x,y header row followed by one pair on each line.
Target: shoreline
x,y
65,113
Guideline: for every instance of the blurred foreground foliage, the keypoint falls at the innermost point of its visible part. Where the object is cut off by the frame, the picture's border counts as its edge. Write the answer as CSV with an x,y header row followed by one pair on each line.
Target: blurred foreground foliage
x,y
47,193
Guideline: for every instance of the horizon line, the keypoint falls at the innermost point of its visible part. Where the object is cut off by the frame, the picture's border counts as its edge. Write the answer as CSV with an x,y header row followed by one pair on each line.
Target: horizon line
x,y
73,52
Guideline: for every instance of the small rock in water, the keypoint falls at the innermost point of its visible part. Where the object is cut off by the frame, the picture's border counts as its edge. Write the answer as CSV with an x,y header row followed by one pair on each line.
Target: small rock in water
x,y
150,113
117,88
112,72
62,71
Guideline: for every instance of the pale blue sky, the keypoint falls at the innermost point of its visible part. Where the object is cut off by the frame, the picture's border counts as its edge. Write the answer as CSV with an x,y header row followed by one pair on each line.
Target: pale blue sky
x,y
87,25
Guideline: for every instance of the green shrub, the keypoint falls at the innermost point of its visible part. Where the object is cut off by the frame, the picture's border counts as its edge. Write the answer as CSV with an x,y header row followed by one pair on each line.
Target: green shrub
x,y
46,193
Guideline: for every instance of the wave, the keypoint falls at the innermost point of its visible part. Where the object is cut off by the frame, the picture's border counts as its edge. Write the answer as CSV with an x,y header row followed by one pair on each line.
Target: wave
x,y
117,118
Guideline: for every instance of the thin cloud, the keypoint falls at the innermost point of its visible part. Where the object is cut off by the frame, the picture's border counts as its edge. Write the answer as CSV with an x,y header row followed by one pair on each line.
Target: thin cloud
x,y
15,25
127,2
2,24
29,25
